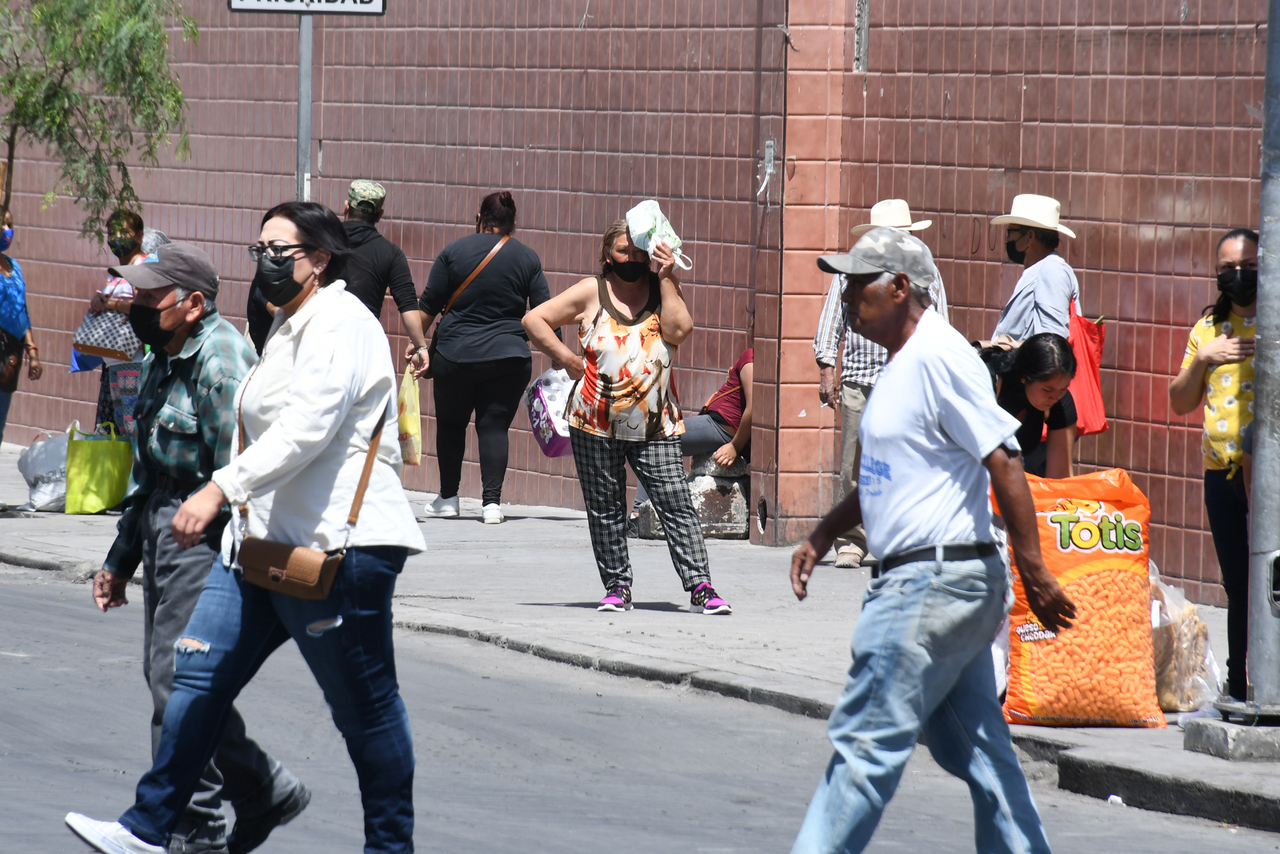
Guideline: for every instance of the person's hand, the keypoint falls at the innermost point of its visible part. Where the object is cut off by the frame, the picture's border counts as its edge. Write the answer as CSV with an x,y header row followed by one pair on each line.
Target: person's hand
x,y
108,591
421,362
1047,600
725,454
828,388
35,369
805,557
196,513
98,302
576,368
1225,350
666,260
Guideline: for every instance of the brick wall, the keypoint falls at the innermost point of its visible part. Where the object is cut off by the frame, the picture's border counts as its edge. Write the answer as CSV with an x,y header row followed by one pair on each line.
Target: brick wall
x,y
581,109
1142,118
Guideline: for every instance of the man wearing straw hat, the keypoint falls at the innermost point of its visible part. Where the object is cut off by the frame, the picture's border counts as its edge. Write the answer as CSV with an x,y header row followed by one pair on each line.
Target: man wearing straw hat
x,y
1041,302
862,362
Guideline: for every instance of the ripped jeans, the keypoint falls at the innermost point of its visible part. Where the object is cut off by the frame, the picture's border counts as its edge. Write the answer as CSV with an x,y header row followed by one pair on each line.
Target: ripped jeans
x,y
346,641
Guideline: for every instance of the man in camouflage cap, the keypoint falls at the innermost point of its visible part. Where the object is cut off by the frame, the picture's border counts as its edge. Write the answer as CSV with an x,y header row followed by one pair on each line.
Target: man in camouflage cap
x,y
934,443
376,264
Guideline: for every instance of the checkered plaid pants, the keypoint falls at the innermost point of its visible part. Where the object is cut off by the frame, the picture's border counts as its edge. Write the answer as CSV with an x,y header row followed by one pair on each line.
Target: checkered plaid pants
x,y
658,465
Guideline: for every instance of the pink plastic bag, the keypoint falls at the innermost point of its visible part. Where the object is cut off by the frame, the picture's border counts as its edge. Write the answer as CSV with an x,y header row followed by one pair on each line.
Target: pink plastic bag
x,y
545,405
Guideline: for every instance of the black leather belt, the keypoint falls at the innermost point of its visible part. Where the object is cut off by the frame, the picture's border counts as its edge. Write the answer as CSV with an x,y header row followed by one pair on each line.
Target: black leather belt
x,y
958,551
173,484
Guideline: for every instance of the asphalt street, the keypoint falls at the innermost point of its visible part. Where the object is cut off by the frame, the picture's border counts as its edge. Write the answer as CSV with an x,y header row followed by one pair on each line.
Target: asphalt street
x,y
514,753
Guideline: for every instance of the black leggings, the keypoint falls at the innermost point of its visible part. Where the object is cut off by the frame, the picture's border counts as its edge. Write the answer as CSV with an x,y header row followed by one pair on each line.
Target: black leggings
x,y
492,390
1228,511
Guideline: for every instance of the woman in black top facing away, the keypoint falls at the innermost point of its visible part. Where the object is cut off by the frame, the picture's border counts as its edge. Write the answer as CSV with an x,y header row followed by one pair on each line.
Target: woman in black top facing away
x,y
482,362
1031,385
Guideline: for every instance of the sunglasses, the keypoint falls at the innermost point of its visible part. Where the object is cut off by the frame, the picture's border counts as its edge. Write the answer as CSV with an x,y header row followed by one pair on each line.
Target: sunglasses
x,y
257,250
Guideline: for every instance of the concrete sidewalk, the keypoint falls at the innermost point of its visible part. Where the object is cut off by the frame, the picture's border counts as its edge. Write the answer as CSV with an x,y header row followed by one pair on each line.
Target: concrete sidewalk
x,y
530,585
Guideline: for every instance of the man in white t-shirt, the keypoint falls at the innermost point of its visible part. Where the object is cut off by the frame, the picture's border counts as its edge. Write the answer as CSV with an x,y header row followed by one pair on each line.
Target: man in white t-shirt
x,y
1041,301
934,441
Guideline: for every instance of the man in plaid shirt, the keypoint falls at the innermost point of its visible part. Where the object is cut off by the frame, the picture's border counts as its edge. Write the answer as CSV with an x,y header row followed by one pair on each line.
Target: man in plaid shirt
x,y
861,365
184,421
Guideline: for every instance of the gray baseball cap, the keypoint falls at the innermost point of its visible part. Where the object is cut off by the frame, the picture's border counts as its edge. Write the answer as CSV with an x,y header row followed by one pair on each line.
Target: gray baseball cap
x,y
885,250
182,264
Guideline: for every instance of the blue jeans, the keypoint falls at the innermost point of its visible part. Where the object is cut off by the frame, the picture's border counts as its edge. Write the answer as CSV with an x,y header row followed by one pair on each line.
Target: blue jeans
x,y
346,641
922,662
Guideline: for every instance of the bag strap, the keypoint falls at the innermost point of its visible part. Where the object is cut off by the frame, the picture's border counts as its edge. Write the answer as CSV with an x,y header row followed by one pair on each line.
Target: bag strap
x,y
358,499
485,263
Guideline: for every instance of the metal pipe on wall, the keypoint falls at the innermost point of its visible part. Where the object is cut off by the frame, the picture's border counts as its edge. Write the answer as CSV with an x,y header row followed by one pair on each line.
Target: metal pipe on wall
x,y
303,171
1264,547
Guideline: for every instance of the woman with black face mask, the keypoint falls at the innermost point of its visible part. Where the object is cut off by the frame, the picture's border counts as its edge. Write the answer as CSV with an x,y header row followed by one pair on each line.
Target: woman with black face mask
x,y
124,238
1218,370
479,288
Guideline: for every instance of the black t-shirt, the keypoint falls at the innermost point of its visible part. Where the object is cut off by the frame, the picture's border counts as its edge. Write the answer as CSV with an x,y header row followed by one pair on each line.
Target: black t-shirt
x,y
1013,399
377,265
484,323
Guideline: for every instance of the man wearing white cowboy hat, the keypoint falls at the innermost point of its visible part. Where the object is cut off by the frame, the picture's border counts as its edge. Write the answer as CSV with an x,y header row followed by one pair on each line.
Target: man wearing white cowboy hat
x,y
1041,301
862,362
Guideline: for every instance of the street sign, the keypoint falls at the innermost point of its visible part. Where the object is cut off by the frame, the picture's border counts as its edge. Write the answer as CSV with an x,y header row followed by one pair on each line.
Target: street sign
x,y
311,7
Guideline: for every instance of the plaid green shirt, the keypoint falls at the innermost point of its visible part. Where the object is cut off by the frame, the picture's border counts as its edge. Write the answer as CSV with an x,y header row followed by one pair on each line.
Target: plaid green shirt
x,y
184,423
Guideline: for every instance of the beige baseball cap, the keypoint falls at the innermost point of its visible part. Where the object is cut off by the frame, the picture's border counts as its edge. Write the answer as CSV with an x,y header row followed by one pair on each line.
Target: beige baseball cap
x,y
1035,211
890,213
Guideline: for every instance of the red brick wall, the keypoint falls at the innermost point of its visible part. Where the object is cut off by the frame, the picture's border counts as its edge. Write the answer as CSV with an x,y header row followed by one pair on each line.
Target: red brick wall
x,y
444,102
1142,118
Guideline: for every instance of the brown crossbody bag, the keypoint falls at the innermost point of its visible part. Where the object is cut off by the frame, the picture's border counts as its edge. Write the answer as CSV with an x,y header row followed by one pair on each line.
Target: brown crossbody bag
x,y
298,571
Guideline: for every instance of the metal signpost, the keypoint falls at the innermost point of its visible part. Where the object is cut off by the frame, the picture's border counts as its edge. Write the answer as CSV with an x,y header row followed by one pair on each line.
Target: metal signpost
x,y
305,9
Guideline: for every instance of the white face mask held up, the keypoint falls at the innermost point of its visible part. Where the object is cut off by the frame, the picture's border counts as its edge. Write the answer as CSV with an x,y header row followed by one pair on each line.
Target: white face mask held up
x,y
649,227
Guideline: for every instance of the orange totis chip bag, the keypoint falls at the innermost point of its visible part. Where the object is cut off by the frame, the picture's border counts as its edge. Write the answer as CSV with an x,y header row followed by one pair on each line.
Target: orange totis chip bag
x,y
1101,671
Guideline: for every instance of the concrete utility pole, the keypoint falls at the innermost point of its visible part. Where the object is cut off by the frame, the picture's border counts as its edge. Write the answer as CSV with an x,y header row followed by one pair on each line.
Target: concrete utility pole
x,y
1264,614
303,172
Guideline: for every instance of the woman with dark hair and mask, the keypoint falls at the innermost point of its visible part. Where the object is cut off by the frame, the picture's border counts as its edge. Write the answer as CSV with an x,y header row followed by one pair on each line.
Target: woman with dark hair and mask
x,y
1032,382
624,410
15,324
125,235
1218,370
307,414
482,362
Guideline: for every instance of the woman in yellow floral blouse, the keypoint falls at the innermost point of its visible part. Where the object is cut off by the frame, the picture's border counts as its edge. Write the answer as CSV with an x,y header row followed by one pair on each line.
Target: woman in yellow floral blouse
x,y
1218,370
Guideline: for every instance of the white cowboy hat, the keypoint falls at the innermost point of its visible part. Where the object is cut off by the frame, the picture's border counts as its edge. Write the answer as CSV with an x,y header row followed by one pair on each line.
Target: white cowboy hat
x,y
891,213
1035,211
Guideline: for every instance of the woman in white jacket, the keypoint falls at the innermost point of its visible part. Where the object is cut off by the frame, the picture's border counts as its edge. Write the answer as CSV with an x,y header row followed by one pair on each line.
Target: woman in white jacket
x,y
309,408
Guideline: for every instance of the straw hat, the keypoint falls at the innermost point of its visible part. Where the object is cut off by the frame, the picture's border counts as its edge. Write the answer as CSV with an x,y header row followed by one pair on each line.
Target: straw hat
x,y
891,213
1035,211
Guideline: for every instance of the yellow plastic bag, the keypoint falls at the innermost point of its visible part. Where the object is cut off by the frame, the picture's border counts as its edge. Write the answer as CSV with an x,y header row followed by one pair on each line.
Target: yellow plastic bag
x,y
97,470
410,419
1101,672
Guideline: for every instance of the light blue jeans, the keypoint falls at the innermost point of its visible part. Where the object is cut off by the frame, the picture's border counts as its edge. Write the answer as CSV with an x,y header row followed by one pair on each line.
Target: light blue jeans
x,y
922,662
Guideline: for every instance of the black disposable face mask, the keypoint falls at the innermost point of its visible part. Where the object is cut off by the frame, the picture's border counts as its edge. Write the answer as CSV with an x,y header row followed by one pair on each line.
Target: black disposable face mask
x,y
630,271
1016,255
122,247
1240,285
275,278
145,322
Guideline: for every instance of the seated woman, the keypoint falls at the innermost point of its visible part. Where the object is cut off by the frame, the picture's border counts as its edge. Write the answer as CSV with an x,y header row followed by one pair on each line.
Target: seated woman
x,y
1031,385
722,428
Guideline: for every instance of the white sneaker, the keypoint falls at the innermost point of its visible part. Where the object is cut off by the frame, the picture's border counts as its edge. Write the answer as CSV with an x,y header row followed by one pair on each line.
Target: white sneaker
x,y
493,514
109,837
442,508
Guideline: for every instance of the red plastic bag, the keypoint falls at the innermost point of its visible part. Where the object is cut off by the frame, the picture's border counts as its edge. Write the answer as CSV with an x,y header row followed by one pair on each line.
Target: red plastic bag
x,y
1086,339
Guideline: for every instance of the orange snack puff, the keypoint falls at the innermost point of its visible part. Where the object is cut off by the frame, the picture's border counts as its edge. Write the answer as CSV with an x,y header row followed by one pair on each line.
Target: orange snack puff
x,y
1101,671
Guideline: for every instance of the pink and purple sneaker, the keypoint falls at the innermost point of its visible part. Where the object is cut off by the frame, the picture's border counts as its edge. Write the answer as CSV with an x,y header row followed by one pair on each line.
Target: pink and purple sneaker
x,y
704,600
617,599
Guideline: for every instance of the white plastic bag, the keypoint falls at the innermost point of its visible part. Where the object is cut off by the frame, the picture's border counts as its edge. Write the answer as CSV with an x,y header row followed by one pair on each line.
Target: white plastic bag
x,y
649,227
1187,676
44,468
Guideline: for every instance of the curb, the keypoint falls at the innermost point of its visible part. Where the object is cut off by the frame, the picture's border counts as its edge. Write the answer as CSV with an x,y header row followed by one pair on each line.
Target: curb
x,y
73,570
637,667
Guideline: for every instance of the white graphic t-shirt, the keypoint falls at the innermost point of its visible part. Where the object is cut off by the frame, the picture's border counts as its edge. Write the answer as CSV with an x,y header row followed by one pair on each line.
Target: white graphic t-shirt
x,y
930,421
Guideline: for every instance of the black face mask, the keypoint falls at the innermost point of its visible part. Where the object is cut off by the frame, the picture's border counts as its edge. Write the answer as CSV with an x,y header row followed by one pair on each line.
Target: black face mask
x,y
1240,285
1015,255
630,271
145,322
275,278
122,247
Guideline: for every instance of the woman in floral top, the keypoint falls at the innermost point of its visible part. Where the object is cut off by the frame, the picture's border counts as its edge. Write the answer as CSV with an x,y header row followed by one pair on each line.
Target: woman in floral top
x,y
1218,370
